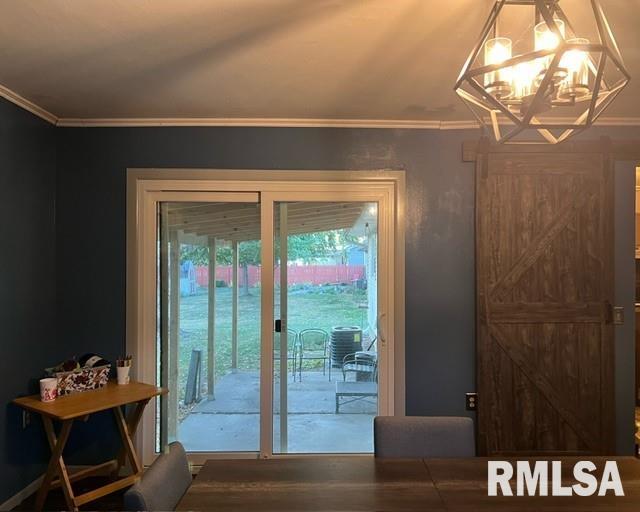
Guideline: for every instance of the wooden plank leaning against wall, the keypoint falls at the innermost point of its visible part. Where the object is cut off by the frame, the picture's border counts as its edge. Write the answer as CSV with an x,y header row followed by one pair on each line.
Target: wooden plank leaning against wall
x,y
544,260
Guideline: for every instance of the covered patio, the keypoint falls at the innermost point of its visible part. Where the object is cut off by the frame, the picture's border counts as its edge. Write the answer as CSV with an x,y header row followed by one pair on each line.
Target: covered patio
x,y
312,422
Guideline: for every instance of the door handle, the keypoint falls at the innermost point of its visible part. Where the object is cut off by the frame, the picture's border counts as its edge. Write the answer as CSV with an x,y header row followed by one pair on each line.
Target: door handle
x,y
278,325
381,335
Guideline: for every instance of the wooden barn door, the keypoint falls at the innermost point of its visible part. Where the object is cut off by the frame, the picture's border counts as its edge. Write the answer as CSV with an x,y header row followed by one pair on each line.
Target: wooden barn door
x,y
544,249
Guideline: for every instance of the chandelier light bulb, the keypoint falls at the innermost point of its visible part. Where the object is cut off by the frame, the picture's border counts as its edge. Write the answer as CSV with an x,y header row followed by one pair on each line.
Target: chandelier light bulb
x,y
524,78
496,51
547,39
576,62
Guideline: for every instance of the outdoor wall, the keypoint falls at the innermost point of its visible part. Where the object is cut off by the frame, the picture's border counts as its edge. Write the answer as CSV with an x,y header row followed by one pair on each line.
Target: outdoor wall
x,y
440,287
27,285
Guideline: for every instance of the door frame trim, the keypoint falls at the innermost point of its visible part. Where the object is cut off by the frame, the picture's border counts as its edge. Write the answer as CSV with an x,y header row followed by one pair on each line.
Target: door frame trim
x,y
276,183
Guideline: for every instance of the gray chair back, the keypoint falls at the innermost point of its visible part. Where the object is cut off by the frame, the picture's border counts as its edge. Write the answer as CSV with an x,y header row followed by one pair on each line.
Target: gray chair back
x,y
163,484
416,437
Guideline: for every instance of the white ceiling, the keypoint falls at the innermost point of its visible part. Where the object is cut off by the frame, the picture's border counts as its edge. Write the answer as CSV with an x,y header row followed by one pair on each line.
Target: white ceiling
x,y
389,60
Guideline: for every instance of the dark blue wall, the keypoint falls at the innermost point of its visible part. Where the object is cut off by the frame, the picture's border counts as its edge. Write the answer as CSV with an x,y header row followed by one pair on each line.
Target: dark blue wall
x,y
440,230
440,290
27,285
440,344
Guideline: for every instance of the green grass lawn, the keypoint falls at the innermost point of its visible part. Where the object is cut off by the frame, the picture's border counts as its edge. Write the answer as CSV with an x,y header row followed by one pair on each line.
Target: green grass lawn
x,y
313,307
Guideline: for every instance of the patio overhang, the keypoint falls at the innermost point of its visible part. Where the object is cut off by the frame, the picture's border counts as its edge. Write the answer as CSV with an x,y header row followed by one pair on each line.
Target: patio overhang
x,y
241,222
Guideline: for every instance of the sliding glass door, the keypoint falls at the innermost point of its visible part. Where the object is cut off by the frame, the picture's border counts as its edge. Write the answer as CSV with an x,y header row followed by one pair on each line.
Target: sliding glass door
x,y
291,360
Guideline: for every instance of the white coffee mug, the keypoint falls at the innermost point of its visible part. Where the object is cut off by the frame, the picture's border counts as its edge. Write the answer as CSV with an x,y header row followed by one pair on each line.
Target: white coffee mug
x,y
123,374
48,389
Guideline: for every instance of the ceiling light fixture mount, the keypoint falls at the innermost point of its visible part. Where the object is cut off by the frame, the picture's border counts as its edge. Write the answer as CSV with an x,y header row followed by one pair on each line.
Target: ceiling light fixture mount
x,y
558,83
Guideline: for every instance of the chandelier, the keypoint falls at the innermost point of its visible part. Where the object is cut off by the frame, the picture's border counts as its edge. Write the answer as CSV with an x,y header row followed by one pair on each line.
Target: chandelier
x,y
533,77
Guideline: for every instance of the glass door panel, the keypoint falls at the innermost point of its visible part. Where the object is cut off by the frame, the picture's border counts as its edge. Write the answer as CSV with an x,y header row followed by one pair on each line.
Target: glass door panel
x,y
325,345
208,336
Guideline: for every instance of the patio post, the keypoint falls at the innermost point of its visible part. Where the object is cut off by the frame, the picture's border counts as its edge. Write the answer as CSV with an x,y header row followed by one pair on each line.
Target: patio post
x,y
234,308
211,320
174,333
372,279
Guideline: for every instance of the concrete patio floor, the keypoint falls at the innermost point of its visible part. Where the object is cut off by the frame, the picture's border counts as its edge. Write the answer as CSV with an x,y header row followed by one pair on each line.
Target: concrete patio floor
x,y
230,422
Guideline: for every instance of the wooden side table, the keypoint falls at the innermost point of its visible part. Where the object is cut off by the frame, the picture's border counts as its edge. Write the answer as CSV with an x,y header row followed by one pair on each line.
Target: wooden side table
x,y
80,406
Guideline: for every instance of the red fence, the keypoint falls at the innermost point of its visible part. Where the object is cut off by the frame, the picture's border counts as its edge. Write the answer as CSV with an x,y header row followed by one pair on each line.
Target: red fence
x,y
297,274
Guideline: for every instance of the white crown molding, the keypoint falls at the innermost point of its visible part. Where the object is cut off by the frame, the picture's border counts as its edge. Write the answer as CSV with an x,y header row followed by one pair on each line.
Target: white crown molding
x,y
311,123
270,122
14,97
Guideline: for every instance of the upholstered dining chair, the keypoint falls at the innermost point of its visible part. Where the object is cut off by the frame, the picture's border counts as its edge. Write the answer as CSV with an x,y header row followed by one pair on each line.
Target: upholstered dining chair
x,y
417,437
163,484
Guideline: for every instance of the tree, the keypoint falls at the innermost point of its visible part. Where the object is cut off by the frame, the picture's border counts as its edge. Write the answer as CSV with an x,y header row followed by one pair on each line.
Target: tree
x,y
249,255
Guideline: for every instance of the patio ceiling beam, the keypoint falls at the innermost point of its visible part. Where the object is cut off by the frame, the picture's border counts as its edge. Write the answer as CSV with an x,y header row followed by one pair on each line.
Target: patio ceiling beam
x,y
195,207
211,321
179,210
351,215
349,218
253,233
242,213
237,212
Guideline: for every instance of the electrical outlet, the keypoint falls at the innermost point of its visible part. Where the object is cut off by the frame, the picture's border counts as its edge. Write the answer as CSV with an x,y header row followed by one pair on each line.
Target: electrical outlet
x,y
618,315
26,419
471,401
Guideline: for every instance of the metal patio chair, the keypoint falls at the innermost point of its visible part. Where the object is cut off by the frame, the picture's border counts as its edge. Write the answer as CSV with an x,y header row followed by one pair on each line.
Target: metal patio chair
x,y
314,346
364,366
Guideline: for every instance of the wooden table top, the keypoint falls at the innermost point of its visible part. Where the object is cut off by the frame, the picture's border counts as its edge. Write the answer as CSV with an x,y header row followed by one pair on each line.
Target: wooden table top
x,y
78,405
366,483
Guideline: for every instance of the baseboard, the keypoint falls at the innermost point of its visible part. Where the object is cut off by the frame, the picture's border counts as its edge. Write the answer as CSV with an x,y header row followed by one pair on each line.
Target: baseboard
x,y
30,489
22,495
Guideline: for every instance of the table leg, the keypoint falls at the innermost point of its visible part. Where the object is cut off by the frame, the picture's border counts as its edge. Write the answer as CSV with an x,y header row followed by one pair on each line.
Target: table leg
x,y
56,465
125,434
132,426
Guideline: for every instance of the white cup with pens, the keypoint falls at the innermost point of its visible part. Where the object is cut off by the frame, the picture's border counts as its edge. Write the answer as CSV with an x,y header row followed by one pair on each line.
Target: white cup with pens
x,y
123,368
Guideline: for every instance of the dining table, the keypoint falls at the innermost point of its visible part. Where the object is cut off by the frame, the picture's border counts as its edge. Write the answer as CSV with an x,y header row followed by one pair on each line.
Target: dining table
x,y
358,483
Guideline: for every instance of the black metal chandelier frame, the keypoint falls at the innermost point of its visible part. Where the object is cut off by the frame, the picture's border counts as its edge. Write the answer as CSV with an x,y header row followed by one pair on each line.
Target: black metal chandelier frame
x,y
508,118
